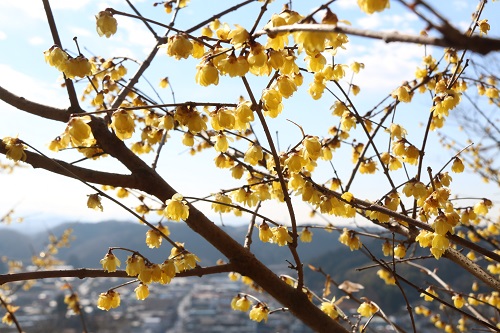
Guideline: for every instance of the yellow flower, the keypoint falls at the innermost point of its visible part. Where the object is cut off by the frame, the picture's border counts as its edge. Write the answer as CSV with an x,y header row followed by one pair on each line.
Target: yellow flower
x,y
223,207
355,89
367,309
56,57
330,309
110,262
439,245
179,46
94,202
135,265
372,6
164,82
312,147
349,238
457,166
482,207
241,303
271,102
198,50
108,300
60,142
123,124
238,36
295,162
72,301
106,24
233,276
79,131
246,196
400,251
402,94
207,74
347,196
387,248
259,312
206,31
458,301
356,66
306,235
386,276
281,235
254,154
153,239
234,66
286,85
167,271
484,27
312,42
8,318
431,291
79,66
265,233
146,274
141,291
177,209
222,118
15,149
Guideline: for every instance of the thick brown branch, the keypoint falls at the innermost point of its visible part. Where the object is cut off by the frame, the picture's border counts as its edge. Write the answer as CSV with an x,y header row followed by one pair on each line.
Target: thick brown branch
x,y
477,44
244,262
34,108
83,273
70,170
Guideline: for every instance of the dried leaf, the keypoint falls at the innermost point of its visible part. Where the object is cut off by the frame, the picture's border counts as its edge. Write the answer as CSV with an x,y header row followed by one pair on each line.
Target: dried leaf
x,y
350,287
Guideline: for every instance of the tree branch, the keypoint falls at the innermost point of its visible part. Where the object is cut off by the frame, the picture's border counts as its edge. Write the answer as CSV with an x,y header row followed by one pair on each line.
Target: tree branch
x,y
34,108
83,273
455,40
70,87
70,170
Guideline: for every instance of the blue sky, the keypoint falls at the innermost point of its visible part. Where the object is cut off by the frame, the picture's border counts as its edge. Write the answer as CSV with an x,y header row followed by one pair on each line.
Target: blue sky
x,y
24,35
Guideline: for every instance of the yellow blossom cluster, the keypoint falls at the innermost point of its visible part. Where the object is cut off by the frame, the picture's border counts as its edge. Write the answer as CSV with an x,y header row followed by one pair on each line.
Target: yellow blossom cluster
x,y
277,235
147,272
15,149
108,300
350,239
367,309
71,67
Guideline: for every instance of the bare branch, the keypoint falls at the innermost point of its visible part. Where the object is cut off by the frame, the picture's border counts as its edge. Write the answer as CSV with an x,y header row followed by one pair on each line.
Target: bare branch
x,y
34,108
70,87
70,170
83,273
482,45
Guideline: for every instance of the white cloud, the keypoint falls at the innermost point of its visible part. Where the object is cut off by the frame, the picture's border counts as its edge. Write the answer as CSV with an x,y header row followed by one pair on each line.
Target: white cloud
x,y
32,88
370,22
77,31
386,21
36,40
136,33
34,8
346,4
3,35
381,75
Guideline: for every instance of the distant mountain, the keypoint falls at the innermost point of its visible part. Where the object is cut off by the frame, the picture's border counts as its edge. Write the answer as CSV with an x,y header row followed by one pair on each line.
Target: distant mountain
x,y
93,239
343,264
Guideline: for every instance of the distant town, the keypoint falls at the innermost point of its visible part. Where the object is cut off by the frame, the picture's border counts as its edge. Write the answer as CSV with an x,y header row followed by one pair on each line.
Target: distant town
x,y
185,305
